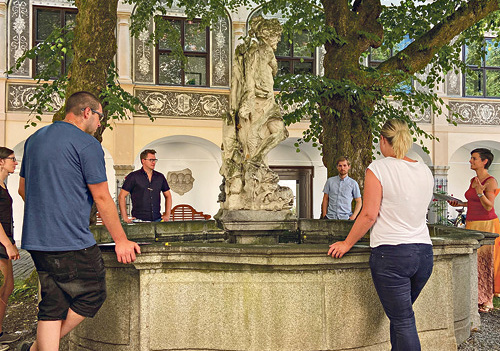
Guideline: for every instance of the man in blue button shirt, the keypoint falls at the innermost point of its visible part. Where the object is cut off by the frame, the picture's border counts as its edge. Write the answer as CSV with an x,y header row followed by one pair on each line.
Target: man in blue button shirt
x,y
339,191
144,187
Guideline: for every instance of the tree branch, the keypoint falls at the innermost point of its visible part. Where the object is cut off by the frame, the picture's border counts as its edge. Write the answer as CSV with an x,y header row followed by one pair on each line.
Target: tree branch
x,y
419,53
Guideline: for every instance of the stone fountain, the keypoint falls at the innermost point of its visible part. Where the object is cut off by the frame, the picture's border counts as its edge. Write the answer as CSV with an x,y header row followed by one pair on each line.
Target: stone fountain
x,y
263,280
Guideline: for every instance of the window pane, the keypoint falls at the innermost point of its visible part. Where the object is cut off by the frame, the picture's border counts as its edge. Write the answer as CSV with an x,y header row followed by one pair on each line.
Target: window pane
x,y
402,44
164,42
46,22
300,48
380,54
196,71
492,54
169,70
303,67
70,18
474,84
283,68
492,83
284,47
473,54
405,86
195,37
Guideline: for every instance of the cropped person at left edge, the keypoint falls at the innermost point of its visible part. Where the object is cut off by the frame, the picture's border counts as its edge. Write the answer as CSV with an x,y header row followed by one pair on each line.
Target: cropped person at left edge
x,y
62,173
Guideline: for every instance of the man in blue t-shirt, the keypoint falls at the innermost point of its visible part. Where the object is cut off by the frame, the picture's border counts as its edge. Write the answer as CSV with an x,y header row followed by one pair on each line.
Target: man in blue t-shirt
x,y
144,187
62,174
339,191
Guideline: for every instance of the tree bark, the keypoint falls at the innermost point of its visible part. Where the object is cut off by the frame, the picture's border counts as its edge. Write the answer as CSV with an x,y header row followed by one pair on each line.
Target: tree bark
x,y
94,46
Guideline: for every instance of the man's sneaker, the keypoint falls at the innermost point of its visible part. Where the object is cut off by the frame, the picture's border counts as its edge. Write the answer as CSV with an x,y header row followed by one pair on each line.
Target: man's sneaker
x,y
7,339
25,346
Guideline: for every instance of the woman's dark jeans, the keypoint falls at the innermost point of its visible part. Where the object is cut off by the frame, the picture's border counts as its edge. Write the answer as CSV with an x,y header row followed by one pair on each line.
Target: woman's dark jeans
x,y
399,273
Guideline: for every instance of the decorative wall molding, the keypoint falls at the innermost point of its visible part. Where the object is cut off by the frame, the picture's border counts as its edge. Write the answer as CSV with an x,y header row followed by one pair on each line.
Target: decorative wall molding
x,y
477,113
183,104
220,53
144,57
18,95
19,34
417,116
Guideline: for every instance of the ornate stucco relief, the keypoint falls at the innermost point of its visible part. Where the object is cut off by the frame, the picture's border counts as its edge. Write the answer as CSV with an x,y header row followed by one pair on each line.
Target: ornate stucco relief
x,y
143,57
321,58
19,34
220,53
183,104
478,113
180,181
452,83
18,95
417,116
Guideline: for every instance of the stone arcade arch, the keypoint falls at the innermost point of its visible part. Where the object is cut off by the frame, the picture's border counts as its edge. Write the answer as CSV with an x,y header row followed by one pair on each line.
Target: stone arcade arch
x,y
201,157
303,172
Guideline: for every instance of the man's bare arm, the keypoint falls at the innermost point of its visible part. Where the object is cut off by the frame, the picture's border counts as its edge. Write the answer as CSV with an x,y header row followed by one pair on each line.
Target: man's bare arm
x,y
168,205
125,249
21,190
123,207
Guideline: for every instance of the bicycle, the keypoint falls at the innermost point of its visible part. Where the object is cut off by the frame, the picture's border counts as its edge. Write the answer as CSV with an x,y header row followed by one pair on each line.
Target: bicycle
x,y
459,221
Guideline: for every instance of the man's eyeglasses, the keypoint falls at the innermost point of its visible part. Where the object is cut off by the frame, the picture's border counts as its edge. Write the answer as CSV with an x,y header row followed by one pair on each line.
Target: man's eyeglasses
x,y
151,159
13,158
94,111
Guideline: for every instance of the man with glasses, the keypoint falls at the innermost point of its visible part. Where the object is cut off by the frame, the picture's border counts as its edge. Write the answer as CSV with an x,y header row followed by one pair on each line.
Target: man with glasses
x,y
144,187
62,174
339,191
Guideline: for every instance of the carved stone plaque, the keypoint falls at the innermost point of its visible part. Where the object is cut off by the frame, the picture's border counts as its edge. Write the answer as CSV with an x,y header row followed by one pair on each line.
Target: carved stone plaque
x,y
180,181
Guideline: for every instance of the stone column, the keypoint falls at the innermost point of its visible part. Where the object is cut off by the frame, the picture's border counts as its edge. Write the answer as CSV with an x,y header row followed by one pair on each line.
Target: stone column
x,y
239,30
124,43
439,209
3,38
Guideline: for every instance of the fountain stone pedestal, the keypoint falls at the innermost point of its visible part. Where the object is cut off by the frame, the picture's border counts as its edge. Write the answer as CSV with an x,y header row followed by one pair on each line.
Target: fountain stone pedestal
x,y
259,227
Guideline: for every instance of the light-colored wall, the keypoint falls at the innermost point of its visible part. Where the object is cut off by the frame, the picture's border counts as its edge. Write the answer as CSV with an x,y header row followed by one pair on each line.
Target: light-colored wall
x,y
129,137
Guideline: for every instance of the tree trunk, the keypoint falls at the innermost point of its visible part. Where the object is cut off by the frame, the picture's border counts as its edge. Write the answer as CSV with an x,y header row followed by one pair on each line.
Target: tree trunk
x,y
346,133
94,46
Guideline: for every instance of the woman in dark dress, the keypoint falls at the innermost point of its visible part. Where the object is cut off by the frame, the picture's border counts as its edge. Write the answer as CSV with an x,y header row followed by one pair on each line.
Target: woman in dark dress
x,y
8,249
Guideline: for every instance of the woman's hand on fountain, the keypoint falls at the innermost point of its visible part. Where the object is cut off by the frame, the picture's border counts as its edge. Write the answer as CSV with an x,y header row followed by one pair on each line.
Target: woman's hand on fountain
x,y
338,249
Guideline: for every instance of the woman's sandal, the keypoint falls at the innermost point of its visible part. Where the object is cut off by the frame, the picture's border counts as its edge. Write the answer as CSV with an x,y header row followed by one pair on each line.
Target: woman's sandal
x,y
485,309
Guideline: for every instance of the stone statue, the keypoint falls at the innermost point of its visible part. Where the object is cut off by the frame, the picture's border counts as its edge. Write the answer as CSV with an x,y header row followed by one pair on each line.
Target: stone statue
x,y
254,124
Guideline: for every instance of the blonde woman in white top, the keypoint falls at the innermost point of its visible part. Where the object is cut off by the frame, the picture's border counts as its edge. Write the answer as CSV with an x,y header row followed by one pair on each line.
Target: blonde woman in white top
x,y
398,191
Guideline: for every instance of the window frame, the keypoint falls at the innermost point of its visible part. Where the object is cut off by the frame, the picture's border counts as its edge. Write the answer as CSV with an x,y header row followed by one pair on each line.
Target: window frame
x,y
206,54
483,69
62,21
293,59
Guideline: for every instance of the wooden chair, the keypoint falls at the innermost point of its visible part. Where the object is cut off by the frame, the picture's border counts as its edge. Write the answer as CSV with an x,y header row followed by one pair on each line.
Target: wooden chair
x,y
184,212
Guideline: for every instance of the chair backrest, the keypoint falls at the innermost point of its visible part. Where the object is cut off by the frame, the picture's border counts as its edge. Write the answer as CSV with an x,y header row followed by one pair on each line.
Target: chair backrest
x,y
184,212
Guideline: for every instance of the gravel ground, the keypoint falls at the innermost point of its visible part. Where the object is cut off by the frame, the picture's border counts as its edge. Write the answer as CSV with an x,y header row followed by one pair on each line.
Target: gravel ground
x,y
488,337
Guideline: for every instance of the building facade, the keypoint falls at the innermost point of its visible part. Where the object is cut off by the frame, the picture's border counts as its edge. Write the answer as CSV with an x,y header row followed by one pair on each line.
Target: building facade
x,y
188,104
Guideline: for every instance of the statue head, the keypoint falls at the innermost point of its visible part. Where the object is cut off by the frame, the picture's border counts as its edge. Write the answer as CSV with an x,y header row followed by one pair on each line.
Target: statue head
x,y
267,30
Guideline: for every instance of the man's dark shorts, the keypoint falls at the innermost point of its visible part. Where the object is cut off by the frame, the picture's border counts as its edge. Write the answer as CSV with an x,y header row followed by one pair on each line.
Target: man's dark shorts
x,y
70,279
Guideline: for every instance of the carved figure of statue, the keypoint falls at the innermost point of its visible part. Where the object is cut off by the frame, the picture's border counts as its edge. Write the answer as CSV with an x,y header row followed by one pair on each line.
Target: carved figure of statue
x,y
254,125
